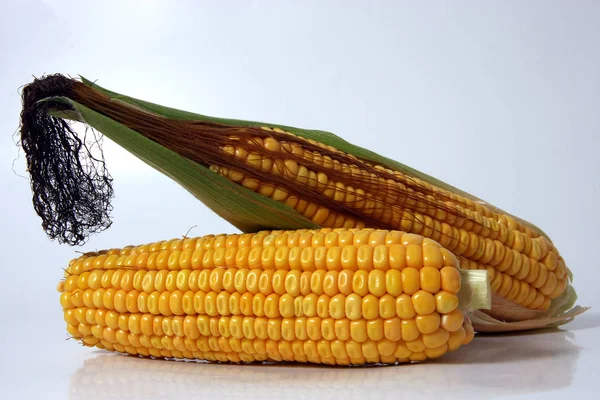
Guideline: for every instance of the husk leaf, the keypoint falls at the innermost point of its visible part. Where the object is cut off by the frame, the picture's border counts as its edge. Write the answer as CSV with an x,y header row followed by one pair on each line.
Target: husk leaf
x,y
246,210
475,291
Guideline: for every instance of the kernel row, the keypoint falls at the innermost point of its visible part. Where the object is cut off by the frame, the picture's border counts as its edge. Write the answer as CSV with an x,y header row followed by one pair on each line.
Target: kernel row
x,y
273,352
376,282
81,324
279,350
223,303
369,249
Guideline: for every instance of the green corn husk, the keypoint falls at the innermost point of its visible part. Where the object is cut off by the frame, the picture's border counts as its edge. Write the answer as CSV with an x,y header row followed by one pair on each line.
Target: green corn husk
x,y
251,212
327,138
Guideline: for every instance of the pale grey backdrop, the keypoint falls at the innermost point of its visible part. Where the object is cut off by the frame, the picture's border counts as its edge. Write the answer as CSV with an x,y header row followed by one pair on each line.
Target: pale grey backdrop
x,y
498,98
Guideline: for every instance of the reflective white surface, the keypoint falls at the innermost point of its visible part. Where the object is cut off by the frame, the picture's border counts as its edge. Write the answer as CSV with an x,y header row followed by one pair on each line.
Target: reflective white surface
x,y
491,366
548,364
500,99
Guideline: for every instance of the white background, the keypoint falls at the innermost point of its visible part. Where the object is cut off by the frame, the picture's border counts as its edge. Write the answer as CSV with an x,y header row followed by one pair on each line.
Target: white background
x,y
501,99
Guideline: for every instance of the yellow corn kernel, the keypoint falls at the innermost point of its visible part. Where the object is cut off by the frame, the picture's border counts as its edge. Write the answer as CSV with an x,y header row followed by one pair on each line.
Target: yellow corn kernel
x,y
409,330
404,307
452,321
436,339
428,323
393,282
360,283
450,279
430,279
370,307
410,281
377,283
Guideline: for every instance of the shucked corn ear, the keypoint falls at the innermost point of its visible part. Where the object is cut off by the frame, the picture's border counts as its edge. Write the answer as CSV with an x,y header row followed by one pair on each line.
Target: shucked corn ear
x,y
262,176
326,296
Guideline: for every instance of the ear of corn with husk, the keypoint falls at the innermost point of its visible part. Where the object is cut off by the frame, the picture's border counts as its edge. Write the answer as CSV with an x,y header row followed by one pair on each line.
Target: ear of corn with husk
x,y
265,176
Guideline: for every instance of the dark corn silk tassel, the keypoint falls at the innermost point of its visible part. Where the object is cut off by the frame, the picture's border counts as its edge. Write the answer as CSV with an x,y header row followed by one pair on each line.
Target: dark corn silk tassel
x,y
71,188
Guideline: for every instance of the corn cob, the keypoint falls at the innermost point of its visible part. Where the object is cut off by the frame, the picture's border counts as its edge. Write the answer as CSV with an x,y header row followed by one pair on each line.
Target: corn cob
x,y
275,177
327,296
